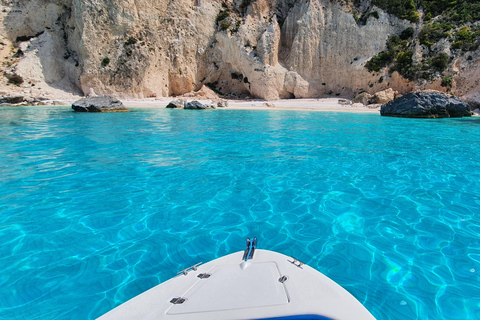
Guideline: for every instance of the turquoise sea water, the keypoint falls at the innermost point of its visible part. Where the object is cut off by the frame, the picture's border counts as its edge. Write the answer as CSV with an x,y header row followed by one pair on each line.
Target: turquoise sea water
x,y
97,208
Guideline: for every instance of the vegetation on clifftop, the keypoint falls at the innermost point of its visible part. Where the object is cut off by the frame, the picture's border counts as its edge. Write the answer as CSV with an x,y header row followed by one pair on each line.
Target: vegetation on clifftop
x,y
404,9
448,31
454,11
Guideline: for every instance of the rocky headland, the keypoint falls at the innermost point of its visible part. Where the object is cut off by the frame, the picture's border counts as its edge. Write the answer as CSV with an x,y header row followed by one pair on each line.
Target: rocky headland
x,y
267,49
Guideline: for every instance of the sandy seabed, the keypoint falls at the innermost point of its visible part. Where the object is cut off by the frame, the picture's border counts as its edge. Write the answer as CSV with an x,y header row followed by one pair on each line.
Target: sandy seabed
x,y
326,104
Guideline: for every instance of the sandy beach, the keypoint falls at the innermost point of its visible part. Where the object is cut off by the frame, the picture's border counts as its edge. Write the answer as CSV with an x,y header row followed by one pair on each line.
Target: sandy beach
x,y
325,104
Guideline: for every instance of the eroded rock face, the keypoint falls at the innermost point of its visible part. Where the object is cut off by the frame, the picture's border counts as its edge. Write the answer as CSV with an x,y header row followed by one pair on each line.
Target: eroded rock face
x,y
322,50
145,48
268,49
426,105
99,104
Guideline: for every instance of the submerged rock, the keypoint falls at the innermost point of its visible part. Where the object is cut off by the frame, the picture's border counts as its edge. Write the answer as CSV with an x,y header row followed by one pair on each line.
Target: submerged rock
x,y
426,105
198,105
99,104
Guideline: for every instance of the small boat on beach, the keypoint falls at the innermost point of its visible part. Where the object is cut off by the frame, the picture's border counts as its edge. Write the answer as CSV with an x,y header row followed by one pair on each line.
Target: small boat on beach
x,y
251,284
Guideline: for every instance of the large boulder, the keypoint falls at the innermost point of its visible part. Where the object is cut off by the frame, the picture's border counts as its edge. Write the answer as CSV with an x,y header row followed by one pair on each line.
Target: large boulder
x,y
222,104
362,98
198,105
344,102
176,104
11,100
384,96
99,104
473,100
426,105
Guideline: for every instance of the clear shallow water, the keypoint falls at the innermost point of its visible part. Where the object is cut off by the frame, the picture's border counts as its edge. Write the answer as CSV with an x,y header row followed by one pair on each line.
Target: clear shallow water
x,y
97,208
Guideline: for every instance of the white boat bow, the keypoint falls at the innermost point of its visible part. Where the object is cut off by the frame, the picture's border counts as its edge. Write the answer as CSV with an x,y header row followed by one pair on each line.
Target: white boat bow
x,y
269,285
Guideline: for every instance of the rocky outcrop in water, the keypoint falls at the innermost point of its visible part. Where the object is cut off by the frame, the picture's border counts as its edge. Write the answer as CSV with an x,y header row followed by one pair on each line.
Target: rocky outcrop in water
x,y
426,105
99,104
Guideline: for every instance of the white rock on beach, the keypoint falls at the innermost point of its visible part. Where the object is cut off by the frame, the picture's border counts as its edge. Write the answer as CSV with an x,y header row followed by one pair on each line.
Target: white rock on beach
x,y
358,105
384,96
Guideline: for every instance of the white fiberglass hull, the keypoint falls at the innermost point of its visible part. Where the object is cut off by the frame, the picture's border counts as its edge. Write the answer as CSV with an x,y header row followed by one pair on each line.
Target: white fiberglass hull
x,y
236,289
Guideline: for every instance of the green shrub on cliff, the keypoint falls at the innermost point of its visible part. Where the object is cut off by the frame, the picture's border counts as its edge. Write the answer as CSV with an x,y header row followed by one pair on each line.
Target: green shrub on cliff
x,y
379,61
413,16
407,33
444,21
130,41
433,32
404,65
447,82
226,17
450,17
362,20
467,38
440,62
404,9
399,57
224,25
395,45
222,15
15,79
456,11
464,34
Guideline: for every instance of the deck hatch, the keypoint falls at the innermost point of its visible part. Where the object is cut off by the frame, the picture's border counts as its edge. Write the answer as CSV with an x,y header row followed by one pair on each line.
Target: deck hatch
x,y
233,287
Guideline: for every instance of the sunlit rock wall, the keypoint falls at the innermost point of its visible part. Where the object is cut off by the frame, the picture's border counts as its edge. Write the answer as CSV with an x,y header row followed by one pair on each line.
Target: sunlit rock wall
x,y
152,48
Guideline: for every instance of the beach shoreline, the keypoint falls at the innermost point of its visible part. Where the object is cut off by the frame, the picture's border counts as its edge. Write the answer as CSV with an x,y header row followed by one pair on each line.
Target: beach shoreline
x,y
307,104
320,104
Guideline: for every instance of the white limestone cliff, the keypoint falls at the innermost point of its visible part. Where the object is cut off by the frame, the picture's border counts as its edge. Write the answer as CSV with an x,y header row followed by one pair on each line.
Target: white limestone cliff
x,y
144,48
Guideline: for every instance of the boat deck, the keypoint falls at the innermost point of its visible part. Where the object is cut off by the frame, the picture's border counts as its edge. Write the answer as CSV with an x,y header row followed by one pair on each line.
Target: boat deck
x,y
270,285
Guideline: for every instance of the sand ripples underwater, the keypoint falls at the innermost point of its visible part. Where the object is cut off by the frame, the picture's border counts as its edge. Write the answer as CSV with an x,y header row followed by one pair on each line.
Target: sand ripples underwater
x,y
97,208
